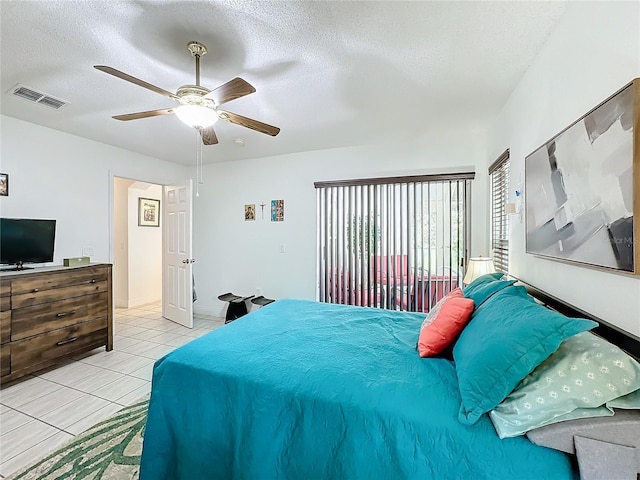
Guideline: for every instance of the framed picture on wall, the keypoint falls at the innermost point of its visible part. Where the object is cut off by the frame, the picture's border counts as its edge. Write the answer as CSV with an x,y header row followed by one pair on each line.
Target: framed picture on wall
x,y
148,212
581,188
250,211
277,210
4,185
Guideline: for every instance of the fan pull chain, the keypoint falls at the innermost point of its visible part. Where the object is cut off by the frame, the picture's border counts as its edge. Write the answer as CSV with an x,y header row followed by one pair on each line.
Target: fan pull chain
x,y
201,178
198,154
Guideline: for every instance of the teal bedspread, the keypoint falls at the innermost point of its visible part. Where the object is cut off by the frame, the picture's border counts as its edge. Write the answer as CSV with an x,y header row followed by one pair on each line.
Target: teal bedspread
x,y
302,390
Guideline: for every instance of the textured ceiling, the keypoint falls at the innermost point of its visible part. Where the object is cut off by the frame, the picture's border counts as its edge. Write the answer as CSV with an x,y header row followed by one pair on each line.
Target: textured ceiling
x,y
329,74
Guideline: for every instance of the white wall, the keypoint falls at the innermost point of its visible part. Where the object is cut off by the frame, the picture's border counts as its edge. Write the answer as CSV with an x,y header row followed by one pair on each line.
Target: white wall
x,y
144,249
593,52
56,175
240,256
121,242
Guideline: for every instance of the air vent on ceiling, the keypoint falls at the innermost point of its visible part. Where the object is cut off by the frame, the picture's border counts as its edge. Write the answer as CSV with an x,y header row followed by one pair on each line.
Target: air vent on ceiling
x,y
37,97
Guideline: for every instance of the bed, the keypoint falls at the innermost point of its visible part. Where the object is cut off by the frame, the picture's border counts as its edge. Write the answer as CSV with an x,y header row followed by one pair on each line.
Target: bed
x,y
307,390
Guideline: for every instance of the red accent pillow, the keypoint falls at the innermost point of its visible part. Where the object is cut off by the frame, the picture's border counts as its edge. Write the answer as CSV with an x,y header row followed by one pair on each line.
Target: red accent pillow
x,y
444,322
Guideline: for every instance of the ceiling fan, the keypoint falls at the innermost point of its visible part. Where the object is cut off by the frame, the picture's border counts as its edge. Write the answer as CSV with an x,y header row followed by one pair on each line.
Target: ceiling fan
x,y
199,106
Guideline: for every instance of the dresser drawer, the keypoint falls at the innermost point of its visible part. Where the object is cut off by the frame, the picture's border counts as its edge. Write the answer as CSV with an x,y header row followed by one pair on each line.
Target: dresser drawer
x,y
60,279
43,296
5,326
5,360
29,321
31,351
53,313
5,295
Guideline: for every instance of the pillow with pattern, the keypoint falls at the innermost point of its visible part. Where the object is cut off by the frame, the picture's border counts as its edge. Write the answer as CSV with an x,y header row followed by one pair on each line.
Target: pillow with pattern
x,y
627,402
576,381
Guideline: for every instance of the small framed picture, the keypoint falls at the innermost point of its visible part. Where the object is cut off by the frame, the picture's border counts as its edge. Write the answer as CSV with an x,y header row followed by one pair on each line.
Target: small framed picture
x,y
148,212
250,211
4,185
277,210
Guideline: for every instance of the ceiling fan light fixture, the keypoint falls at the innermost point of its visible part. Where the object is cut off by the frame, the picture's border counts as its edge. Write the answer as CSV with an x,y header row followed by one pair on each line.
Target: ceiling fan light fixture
x,y
196,115
198,105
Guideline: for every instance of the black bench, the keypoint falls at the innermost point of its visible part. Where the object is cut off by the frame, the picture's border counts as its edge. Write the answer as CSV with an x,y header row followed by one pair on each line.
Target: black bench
x,y
262,301
238,306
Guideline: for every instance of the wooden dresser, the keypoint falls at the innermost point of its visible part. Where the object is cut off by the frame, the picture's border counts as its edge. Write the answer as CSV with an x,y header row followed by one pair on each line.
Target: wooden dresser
x,y
52,313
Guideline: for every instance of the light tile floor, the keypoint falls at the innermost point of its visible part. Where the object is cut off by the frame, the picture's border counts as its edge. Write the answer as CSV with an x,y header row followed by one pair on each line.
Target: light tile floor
x,y
44,410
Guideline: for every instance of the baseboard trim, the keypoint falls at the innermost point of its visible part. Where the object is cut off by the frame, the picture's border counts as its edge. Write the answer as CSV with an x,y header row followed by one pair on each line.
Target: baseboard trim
x,y
138,302
213,310
219,309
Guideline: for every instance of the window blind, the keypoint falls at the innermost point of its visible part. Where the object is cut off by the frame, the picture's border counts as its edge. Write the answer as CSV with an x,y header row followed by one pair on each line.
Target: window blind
x,y
499,179
396,243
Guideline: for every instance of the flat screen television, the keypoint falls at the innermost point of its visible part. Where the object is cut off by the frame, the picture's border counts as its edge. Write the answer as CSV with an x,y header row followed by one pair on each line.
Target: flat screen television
x,y
24,240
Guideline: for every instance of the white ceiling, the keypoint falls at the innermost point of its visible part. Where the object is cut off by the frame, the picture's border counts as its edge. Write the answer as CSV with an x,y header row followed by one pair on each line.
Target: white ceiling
x,y
329,74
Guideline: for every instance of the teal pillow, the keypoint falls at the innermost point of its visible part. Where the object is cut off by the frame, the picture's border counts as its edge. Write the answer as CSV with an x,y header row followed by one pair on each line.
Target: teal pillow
x,y
482,288
584,378
508,336
487,278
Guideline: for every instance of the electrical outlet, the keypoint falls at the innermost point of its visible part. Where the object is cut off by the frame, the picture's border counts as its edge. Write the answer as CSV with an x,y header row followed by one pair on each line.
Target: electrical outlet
x,y
283,248
258,291
87,251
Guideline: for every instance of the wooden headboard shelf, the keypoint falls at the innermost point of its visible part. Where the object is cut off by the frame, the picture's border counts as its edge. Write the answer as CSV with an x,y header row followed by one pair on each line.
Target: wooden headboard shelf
x,y
625,340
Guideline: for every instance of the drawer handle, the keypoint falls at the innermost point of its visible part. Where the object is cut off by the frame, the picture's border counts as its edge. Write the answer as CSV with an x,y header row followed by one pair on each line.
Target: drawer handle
x,y
93,281
35,290
64,342
62,314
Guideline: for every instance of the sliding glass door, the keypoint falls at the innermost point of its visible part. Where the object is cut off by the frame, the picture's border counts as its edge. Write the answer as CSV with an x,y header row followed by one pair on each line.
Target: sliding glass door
x,y
394,243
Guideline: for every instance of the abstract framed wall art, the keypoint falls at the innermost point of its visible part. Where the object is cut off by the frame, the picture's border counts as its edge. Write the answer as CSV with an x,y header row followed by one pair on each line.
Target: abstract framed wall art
x,y
582,188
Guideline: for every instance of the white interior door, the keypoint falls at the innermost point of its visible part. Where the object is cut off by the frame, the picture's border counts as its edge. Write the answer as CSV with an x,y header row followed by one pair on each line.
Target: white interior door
x,y
177,298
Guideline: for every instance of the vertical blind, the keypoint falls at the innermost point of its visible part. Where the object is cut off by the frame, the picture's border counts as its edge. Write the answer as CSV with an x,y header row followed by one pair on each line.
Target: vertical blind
x,y
499,177
394,243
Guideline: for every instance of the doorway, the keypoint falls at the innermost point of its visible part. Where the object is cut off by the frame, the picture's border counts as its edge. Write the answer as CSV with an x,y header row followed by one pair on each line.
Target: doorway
x,y
151,247
137,249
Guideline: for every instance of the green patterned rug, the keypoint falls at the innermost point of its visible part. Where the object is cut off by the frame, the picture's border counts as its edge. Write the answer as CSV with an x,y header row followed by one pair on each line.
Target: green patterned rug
x,y
108,451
